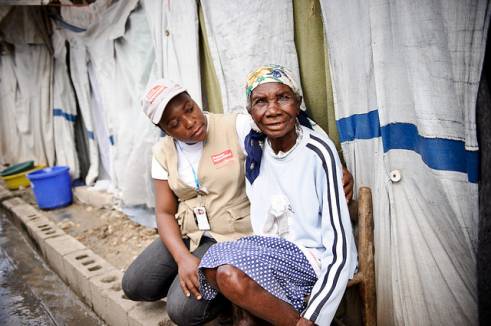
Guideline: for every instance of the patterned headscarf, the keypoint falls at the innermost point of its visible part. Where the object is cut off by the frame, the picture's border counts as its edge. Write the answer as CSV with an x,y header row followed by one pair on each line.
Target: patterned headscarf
x,y
271,74
252,142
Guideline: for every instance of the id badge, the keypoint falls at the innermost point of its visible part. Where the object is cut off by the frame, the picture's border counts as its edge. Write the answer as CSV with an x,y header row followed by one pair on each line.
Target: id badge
x,y
201,218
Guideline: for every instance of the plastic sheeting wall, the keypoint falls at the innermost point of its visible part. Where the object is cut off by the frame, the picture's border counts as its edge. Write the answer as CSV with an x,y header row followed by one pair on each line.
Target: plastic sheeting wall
x,y
121,61
405,78
79,60
108,82
64,107
266,36
308,49
26,71
117,49
174,29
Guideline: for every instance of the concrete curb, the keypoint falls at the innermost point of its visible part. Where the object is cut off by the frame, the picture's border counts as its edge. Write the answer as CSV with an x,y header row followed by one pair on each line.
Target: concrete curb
x,y
92,278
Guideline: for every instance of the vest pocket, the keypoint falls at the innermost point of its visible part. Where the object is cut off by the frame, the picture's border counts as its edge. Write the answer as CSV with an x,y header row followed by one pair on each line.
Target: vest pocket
x,y
240,220
186,221
180,217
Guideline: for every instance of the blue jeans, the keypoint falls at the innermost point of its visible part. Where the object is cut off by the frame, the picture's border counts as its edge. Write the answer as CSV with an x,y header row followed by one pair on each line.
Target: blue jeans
x,y
153,275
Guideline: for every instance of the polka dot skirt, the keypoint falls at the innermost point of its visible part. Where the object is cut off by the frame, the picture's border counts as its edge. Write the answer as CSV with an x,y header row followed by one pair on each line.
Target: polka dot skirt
x,y
276,264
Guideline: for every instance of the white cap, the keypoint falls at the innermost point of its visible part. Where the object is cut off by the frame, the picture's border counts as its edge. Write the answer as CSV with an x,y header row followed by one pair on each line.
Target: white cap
x,y
157,95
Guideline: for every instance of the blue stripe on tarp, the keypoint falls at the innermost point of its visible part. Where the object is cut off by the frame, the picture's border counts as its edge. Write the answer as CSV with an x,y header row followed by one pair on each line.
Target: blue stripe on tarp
x,y
359,126
437,153
66,25
68,116
90,134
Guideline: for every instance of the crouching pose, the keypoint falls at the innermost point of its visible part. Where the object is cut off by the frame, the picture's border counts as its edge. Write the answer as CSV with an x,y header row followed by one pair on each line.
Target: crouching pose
x,y
295,269
198,172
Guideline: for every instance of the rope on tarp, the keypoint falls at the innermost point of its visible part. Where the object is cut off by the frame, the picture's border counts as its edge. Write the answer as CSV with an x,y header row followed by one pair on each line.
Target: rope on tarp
x,y
60,22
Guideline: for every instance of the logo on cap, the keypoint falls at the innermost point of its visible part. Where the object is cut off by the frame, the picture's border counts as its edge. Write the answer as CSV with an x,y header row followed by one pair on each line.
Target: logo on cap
x,y
154,93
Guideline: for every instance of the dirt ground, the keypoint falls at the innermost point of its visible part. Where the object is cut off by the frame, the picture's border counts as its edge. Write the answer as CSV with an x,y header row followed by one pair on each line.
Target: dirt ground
x,y
107,232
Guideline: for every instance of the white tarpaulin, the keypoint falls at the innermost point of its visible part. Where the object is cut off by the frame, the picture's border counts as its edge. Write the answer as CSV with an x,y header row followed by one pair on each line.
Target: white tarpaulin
x,y
105,100
174,29
242,35
113,58
26,72
405,78
81,18
162,41
64,107
122,59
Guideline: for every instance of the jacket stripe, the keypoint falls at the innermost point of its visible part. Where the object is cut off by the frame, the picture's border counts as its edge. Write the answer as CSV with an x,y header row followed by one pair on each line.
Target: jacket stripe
x,y
329,281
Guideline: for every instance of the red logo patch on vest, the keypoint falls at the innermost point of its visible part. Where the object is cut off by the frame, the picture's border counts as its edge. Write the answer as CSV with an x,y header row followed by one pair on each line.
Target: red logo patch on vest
x,y
222,157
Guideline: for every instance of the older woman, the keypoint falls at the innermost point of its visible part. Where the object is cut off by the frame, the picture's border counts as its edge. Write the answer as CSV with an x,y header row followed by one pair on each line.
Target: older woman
x,y
303,245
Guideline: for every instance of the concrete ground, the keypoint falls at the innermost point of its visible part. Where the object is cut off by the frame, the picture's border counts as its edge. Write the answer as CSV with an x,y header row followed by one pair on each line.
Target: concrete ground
x,y
81,243
30,293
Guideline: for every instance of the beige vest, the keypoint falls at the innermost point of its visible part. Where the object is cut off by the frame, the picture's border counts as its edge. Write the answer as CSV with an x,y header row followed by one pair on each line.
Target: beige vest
x,y
221,173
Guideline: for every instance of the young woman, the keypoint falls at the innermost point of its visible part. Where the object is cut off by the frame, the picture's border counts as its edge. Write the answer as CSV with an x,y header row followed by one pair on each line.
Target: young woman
x,y
295,269
198,172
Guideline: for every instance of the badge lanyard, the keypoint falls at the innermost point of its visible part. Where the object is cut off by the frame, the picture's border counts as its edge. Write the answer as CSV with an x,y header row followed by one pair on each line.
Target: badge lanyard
x,y
197,185
200,211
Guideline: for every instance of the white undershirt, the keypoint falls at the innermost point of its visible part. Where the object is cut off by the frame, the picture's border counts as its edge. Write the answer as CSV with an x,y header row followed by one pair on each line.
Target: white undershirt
x,y
189,155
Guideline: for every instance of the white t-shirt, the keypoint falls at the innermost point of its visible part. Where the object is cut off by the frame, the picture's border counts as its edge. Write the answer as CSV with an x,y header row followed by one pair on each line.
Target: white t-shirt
x,y
188,155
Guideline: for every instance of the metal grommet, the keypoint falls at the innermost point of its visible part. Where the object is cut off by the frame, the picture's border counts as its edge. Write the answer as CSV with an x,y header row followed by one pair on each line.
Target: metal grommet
x,y
167,33
395,175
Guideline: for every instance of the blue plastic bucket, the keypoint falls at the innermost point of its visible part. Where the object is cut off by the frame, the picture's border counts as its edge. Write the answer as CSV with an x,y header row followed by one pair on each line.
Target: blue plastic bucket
x,y
51,186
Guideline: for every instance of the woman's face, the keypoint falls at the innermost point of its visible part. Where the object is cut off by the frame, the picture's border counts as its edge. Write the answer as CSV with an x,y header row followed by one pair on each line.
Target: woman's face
x,y
274,108
183,120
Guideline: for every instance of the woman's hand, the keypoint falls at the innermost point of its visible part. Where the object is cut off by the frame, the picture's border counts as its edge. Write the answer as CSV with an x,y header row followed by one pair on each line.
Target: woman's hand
x,y
347,184
170,234
188,276
305,322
